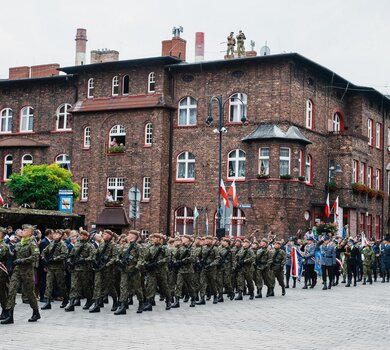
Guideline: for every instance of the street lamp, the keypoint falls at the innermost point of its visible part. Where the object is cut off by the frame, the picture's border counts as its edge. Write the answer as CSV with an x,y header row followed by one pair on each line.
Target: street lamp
x,y
221,130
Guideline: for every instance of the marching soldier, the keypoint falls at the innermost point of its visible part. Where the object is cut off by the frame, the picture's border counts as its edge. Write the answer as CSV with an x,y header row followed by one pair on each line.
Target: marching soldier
x,y
53,257
4,276
243,266
262,266
277,266
224,270
104,262
81,258
368,261
197,253
26,255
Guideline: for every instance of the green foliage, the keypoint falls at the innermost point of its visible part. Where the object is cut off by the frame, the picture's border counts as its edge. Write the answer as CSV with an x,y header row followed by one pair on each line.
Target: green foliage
x,y
39,185
329,228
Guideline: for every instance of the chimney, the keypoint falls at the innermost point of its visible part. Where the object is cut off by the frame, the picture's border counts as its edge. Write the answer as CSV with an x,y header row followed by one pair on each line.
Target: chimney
x,y
19,73
105,55
81,46
199,46
176,47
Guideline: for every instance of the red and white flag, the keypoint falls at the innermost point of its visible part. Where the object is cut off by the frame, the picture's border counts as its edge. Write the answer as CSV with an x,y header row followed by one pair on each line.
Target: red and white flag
x,y
1,200
233,193
222,191
294,262
327,207
336,209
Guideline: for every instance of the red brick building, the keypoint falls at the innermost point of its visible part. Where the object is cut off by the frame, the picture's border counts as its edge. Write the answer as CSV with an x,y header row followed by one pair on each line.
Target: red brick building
x,y
141,123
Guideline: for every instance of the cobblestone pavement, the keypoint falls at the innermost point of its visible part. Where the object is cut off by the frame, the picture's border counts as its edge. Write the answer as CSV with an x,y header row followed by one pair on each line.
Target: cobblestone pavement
x,y
342,318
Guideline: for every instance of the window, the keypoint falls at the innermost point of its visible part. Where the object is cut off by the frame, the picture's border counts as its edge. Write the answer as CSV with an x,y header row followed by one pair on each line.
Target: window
x,y
115,188
6,120
187,111
284,161
378,135
91,88
362,222
369,226
185,166
63,161
125,85
87,137
236,164
144,233
378,227
336,123
369,176
146,189
27,159
27,122
362,173
237,223
355,166
264,161
7,171
148,134
237,107
115,86
308,169
151,82
370,133
84,189
117,136
63,117
388,139
378,179
184,221
309,114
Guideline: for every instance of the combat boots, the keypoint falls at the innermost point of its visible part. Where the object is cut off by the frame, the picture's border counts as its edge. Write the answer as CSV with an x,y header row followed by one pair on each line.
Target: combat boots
x,y
77,302
148,305
192,302
220,298
96,307
305,286
3,315
283,291
140,307
215,299
35,316
70,306
64,303
268,292
186,298
47,306
88,304
258,295
176,304
201,301
364,282
168,304
272,293
251,296
239,296
9,317
115,304
131,299
121,310
294,282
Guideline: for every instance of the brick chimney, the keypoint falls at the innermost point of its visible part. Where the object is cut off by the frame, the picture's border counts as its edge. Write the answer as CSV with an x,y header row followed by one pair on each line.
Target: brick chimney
x,y
100,56
40,71
175,47
81,46
199,46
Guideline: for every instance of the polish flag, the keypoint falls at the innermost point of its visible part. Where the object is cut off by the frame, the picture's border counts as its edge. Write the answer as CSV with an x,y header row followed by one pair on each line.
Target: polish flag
x,y
327,207
336,209
233,193
222,191
294,262
1,200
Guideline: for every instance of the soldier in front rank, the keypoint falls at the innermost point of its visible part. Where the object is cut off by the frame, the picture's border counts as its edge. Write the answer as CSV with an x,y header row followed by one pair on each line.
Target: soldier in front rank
x,y
4,276
156,267
130,264
262,266
81,258
26,255
53,257
104,262
243,265
197,252
224,270
277,265
208,266
368,261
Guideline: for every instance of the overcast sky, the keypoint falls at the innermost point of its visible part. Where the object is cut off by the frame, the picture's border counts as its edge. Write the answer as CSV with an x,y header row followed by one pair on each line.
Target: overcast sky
x,y
350,37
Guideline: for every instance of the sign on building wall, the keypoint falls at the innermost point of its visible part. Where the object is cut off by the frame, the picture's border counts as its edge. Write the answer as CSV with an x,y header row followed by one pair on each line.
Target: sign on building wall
x,y
65,201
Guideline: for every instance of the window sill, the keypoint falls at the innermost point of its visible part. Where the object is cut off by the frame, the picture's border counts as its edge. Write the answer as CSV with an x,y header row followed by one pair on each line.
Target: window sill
x,y
148,146
86,148
4,181
145,201
83,200
5,133
238,179
185,126
61,131
234,123
185,181
25,132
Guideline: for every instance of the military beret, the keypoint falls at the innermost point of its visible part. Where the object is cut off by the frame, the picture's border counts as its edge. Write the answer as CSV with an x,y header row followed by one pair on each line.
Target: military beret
x,y
134,232
238,240
265,240
28,227
255,242
188,237
246,240
85,233
109,232
177,238
209,237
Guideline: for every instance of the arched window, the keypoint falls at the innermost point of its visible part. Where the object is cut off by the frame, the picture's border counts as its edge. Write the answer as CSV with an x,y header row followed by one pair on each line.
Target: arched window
x,y
27,159
187,111
6,120
308,169
63,117
91,88
117,136
237,107
63,161
87,137
27,119
151,82
184,221
336,123
7,171
234,219
148,134
185,166
236,166
115,86
125,85
309,114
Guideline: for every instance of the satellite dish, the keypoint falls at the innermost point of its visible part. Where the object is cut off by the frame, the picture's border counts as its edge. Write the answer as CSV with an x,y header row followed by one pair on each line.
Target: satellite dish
x,y
265,51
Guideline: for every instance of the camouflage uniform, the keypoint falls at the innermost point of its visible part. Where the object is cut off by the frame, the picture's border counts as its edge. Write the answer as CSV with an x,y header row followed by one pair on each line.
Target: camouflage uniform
x,y
208,259
243,265
196,253
369,259
224,272
262,267
4,278
278,261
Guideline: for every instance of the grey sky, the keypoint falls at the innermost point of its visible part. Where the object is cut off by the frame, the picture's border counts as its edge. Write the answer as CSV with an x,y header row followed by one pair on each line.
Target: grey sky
x,y
350,37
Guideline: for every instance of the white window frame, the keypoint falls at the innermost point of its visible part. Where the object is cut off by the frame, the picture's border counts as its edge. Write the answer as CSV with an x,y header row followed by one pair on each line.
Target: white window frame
x,y
6,121
116,131
378,135
186,106
27,119
8,162
378,179
188,221
115,86
355,174
264,158
284,159
336,122
126,84
309,114
151,82
146,185
84,189
187,161
236,162
237,109
90,88
87,137
388,139
27,159
63,114
238,229
369,176
115,185
63,161
148,134
370,133
362,172
308,168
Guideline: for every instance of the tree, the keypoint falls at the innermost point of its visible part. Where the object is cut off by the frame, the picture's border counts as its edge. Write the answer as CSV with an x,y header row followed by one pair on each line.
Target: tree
x,y
38,185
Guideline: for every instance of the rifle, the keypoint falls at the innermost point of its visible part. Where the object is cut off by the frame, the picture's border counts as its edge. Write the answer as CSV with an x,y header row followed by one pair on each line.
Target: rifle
x,y
127,257
179,263
202,264
49,256
258,258
241,261
153,263
224,257
100,262
77,260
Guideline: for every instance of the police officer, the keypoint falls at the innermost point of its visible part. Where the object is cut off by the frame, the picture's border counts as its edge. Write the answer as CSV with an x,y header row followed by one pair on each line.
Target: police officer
x,y
328,260
309,263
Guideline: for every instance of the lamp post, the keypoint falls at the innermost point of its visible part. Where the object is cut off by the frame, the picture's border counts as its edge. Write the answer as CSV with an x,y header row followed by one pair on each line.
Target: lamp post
x,y
221,130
